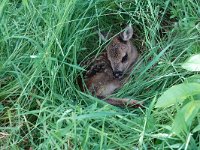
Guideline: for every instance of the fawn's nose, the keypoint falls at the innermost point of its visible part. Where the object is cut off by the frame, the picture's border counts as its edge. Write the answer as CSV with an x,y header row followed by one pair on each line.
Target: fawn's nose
x,y
117,74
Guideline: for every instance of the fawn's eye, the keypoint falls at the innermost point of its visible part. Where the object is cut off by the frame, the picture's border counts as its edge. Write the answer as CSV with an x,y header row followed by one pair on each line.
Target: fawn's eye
x,y
125,58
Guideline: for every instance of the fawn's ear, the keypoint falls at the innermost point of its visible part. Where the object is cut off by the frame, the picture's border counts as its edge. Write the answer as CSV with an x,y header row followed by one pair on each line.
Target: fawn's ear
x,y
127,33
104,36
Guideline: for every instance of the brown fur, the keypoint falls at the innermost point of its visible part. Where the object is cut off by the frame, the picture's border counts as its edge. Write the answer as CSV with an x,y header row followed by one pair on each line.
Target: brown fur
x,y
106,73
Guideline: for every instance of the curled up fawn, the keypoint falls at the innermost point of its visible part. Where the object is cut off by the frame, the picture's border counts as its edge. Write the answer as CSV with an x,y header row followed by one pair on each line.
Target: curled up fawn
x,y
106,73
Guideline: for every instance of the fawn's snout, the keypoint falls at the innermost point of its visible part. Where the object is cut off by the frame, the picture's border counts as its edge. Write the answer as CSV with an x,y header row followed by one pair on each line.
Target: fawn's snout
x,y
118,74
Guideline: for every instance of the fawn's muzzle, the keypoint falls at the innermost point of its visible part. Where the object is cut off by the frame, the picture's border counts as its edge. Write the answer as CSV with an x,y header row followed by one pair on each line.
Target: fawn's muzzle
x,y
117,74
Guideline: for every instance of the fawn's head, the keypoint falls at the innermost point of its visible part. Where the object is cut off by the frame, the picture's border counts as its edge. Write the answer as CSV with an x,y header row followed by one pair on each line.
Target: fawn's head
x,y
120,52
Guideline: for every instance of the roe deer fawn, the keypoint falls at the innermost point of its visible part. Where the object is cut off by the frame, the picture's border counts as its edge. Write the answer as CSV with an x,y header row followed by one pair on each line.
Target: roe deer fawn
x,y
105,74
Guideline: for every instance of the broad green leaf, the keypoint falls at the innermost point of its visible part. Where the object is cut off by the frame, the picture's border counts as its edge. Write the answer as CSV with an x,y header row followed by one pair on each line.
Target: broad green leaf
x,y
196,96
194,78
185,116
190,111
197,128
177,93
193,63
179,125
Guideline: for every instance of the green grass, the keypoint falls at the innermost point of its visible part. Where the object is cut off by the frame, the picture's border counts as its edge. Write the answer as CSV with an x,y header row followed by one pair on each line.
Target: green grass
x,y
41,45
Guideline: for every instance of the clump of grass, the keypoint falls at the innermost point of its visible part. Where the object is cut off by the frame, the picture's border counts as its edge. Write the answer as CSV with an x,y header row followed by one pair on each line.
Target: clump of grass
x,y
42,43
